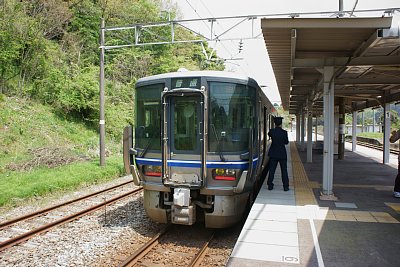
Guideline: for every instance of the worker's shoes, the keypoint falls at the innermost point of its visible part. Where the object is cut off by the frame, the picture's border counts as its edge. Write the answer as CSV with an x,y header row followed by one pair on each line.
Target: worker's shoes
x,y
396,194
286,189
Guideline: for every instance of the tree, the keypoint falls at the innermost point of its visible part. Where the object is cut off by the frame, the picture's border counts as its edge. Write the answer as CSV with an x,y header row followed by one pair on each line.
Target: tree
x,y
49,51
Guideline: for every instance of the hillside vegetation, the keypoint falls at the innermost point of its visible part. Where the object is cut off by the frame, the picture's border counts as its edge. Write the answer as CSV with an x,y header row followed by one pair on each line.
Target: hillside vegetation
x,y
42,152
49,88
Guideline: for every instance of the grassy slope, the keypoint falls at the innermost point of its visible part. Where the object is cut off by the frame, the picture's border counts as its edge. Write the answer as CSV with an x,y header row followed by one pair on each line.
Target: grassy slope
x,y
378,136
25,126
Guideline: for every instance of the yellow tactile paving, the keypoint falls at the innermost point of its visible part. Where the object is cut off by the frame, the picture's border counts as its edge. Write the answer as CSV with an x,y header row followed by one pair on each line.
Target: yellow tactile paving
x,y
305,196
377,187
361,213
313,184
386,219
342,212
346,218
380,214
303,190
365,219
394,206
352,216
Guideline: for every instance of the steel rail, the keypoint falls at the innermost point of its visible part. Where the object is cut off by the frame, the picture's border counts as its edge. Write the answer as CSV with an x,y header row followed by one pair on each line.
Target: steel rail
x,y
42,211
143,250
18,239
196,261
377,147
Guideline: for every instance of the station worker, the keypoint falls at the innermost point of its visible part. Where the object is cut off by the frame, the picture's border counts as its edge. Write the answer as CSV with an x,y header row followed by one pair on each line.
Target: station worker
x,y
393,138
277,153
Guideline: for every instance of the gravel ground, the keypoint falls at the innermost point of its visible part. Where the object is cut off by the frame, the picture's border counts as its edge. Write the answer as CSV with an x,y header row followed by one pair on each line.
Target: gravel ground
x,y
36,203
104,238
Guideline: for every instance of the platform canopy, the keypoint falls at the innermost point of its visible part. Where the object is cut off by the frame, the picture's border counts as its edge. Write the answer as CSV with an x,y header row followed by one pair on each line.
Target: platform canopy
x,y
364,51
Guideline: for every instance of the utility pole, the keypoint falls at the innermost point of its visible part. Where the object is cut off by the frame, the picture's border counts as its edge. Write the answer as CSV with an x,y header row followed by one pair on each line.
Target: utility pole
x,y
102,120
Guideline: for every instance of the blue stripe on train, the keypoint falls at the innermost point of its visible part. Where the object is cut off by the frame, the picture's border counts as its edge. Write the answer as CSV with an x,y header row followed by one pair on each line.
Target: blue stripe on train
x,y
196,164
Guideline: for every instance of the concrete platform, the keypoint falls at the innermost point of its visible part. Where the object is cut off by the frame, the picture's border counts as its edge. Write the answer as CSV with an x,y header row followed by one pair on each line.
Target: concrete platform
x,y
296,228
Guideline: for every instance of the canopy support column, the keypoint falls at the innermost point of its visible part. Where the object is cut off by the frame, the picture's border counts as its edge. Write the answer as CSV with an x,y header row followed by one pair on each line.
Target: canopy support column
x,y
302,133
309,133
354,132
341,128
316,130
386,134
297,128
327,183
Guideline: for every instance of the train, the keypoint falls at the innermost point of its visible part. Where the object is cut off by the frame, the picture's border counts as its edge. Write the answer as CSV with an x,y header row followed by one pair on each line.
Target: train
x,y
198,146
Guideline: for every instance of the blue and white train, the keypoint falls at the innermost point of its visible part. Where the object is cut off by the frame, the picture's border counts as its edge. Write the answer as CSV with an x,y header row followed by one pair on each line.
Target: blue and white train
x,y
199,145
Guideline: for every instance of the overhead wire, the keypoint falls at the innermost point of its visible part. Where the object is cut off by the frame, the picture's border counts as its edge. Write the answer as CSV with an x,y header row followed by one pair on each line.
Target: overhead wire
x,y
198,15
222,44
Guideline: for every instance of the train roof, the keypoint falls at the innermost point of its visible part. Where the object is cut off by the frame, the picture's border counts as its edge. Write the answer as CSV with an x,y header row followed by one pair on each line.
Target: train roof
x,y
217,75
209,74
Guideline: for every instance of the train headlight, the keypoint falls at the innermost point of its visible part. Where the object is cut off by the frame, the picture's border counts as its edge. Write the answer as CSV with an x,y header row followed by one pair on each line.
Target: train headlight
x,y
224,174
230,172
150,170
219,171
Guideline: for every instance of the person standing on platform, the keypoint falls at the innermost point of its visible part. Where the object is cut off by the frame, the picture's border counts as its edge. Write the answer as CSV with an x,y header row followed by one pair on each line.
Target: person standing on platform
x,y
393,138
277,153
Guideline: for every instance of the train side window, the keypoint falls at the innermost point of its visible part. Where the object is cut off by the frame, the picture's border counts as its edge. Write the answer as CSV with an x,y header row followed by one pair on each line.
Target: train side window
x,y
231,116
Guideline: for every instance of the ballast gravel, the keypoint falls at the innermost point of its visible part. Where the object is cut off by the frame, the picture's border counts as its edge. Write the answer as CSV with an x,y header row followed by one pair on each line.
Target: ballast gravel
x,y
103,238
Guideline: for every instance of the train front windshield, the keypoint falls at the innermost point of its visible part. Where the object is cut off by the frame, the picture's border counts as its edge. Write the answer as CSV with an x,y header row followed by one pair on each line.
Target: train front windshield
x,y
231,117
148,117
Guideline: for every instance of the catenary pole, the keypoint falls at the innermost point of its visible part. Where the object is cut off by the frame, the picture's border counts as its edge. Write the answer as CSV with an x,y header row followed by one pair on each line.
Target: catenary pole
x,y
102,120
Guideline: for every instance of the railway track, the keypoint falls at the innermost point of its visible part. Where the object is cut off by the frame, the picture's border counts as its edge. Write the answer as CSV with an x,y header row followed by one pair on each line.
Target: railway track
x,y
202,252
43,214
394,151
140,254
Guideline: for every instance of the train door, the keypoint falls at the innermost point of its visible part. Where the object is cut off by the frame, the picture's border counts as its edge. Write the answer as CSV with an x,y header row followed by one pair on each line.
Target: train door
x,y
183,148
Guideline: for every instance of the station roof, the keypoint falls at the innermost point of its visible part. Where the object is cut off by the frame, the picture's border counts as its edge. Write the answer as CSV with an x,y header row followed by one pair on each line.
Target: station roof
x,y
365,53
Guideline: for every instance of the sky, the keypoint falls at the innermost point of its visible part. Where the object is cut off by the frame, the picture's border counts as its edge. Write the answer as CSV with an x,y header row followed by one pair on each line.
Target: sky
x,y
253,60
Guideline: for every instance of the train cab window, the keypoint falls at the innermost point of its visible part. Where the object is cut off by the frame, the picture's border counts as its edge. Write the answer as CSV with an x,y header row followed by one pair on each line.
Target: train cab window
x,y
231,116
185,124
148,117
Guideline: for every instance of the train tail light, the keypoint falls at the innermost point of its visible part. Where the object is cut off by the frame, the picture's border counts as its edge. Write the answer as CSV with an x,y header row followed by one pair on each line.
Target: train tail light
x,y
224,174
150,170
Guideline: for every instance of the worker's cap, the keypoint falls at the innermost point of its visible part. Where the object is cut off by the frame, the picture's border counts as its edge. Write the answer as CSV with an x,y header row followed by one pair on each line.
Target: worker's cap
x,y
278,120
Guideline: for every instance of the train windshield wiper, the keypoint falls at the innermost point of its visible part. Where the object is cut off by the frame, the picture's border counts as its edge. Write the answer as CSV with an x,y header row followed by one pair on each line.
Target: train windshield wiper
x,y
146,148
219,150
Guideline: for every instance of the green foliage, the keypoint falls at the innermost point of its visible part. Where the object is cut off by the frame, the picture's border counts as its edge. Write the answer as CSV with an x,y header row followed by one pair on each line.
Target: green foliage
x,y
27,125
49,84
378,136
49,51
85,23
80,95
16,186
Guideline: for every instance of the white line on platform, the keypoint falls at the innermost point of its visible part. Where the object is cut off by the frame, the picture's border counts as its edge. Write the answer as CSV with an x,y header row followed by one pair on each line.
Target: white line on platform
x,y
316,244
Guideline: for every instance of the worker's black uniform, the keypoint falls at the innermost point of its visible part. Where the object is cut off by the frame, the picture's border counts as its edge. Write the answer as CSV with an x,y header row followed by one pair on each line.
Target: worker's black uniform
x,y
277,153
